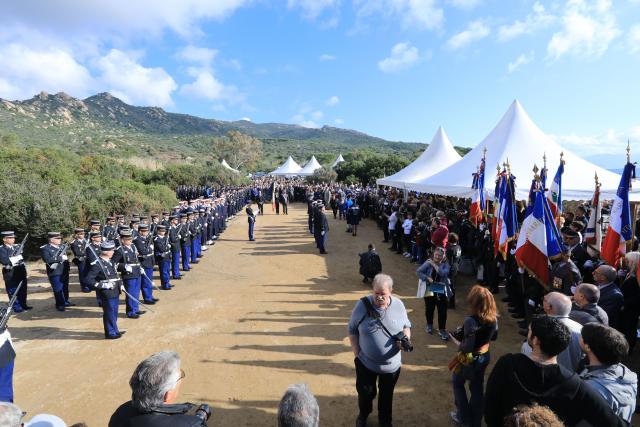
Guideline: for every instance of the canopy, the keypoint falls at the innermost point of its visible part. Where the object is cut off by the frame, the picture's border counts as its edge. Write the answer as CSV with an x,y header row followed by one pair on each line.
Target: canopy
x,y
288,168
518,140
310,167
339,159
227,166
439,155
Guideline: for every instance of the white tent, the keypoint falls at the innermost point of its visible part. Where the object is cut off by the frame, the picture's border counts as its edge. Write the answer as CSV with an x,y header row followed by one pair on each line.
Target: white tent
x,y
439,155
227,166
288,168
516,138
339,159
310,167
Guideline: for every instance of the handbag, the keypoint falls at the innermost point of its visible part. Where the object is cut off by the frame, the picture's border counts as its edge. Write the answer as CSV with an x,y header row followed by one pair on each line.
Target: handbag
x,y
422,288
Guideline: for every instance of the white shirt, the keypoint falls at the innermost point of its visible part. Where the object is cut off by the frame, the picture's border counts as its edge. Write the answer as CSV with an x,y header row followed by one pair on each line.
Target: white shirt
x,y
407,225
393,219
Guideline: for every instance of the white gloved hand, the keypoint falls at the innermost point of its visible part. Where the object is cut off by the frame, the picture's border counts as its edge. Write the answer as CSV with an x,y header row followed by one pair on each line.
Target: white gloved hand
x,y
128,269
64,258
14,260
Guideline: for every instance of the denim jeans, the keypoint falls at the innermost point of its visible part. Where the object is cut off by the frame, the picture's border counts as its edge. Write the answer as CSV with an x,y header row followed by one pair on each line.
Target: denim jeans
x,y
470,410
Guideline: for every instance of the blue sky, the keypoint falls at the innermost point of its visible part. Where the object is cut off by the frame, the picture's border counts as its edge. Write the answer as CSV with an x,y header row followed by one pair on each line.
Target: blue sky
x,y
391,68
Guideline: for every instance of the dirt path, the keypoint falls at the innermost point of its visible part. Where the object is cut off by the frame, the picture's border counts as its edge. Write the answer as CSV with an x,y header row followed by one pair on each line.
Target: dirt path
x,y
248,320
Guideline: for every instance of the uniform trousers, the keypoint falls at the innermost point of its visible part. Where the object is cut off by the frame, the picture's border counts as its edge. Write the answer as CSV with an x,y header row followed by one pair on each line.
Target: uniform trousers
x,y
194,248
57,285
110,314
186,257
133,287
175,264
6,383
164,267
147,285
251,226
81,272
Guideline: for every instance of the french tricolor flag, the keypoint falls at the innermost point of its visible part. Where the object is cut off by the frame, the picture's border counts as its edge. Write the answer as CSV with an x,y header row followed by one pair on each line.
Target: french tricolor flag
x,y
537,241
554,194
619,231
477,202
508,218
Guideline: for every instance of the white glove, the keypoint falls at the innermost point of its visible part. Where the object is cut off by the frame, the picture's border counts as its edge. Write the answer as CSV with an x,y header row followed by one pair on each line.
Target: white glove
x,y
128,268
105,284
122,288
15,260
322,233
64,258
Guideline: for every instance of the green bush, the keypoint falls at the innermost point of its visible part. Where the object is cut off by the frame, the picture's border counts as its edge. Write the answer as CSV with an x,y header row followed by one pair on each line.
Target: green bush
x,y
365,166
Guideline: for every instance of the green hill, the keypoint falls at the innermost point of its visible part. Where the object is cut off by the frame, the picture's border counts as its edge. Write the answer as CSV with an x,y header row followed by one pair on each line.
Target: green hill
x,y
103,124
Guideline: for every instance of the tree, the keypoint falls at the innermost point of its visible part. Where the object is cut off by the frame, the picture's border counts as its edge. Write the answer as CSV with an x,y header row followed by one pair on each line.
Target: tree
x,y
238,149
322,175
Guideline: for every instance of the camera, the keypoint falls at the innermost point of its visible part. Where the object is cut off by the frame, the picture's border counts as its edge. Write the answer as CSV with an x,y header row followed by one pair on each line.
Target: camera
x,y
404,341
458,334
203,412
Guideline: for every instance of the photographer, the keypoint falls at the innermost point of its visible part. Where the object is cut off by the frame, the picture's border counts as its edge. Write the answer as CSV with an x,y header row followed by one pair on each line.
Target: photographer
x,y
435,275
479,329
154,387
378,330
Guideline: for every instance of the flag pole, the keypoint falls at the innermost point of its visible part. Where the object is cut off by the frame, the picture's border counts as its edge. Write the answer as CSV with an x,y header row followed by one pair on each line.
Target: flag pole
x,y
634,206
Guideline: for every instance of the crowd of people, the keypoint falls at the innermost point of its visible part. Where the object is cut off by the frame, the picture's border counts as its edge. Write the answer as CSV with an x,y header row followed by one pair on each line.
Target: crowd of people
x,y
578,329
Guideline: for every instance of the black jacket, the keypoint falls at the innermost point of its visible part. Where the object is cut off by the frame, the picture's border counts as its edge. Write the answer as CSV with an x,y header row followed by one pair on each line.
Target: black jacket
x,y
516,379
144,245
128,416
123,257
102,270
55,258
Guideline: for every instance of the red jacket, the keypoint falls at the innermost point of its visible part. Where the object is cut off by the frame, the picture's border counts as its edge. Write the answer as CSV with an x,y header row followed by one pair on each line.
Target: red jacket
x,y
440,236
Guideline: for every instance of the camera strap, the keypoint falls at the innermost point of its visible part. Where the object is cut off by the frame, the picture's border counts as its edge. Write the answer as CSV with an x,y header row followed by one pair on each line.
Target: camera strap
x,y
373,313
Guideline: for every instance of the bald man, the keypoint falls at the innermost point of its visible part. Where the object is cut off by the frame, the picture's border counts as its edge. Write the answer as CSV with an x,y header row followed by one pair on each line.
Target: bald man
x,y
558,305
611,299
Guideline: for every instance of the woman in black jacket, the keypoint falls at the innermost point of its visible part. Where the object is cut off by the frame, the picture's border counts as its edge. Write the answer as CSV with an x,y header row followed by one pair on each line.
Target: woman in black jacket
x,y
479,329
631,292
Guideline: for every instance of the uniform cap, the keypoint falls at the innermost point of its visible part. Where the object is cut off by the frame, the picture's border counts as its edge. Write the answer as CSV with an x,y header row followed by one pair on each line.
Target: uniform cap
x,y
78,230
94,222
143,227
154,215
173,217
111,218
183,215
54,234
93,234
165,213
143,217
120,216
135,221
6,234
161,227
125,234
107,245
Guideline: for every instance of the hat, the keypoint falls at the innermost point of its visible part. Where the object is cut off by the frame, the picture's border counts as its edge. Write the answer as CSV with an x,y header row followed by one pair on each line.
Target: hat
x,y
111,218
78,230
120,216
202,210
154,215
54,235
173,217
135,221
161,227
183,215
165,213
143,217
125,234
94,222
93,234
107,245
143,227
6,234
45,420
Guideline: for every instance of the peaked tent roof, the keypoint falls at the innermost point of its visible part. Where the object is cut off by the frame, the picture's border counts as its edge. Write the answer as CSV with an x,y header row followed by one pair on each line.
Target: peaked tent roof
x,y
516,138
310,167
289,167
227,166
339,159
439,155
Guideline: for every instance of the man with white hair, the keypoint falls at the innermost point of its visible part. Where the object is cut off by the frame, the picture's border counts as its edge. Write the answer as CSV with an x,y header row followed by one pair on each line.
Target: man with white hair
x,y
298,408
611,298
585,305
379,328
558,305
154,388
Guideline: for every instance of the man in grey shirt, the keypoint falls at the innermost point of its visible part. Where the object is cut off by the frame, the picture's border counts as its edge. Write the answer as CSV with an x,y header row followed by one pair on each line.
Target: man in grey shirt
x,y
558,305
377,352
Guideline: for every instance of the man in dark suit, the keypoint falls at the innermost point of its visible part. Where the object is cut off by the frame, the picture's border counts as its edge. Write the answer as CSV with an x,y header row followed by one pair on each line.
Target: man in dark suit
x,y
611,299
54,254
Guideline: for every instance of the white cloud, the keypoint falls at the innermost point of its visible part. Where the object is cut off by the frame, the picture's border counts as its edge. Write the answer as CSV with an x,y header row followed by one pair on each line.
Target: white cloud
x,y
476,30
311,9
199,55
588,29
606,143
117,18
246,119
125,78
327,57
333,101
26,71
464,4
338,121
523,59
535,21
633,40
403,55
308,117
317,115
420,14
